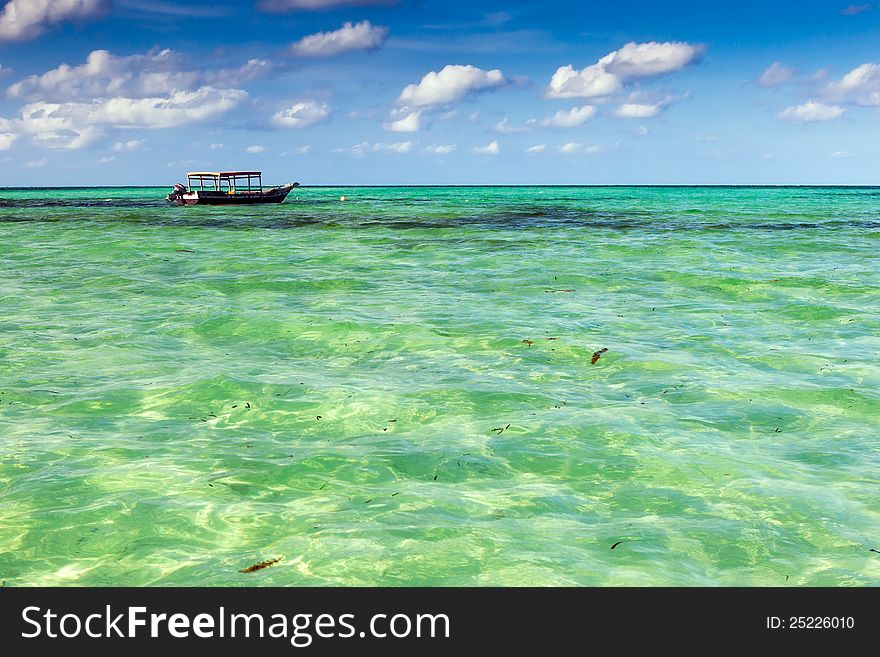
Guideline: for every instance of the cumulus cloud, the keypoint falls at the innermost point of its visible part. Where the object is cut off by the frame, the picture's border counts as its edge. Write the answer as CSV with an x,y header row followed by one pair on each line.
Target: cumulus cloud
x,y
74,125
441,149
638,110
860,86
452,83
301,114
351,36
775,74
317,5
27,19
255,150
537,148
570,148
130,145
409,122
630,63
491,148
591,82
812,111
152,74
7,139
570,119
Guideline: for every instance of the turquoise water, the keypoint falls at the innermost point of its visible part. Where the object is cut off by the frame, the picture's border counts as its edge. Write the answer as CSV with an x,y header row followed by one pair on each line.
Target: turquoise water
x,y
398,389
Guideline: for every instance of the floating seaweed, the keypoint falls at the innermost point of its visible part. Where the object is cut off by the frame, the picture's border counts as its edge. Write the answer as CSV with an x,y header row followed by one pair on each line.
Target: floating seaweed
x,y
185,251
555,291
260,566
528,343
616,544
597,355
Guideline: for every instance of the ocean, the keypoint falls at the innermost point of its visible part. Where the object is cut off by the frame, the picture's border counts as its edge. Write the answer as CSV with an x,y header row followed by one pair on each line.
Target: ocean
x,y
438,386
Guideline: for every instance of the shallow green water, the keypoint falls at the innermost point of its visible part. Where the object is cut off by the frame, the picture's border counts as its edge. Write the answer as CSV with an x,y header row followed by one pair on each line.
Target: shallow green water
x,y
398,389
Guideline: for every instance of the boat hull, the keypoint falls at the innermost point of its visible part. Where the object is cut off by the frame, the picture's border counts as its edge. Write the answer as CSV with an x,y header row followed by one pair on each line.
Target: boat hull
x,y
210,197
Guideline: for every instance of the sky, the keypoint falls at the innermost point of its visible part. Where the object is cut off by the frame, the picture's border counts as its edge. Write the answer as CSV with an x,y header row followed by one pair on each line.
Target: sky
x,y
138,92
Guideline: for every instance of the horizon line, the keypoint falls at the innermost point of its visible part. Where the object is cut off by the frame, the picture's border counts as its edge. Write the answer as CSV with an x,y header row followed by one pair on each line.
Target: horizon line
x,y
487,185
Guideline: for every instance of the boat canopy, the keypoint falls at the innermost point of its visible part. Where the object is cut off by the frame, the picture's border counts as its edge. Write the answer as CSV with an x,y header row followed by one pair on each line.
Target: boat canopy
x,y
223,174
225,179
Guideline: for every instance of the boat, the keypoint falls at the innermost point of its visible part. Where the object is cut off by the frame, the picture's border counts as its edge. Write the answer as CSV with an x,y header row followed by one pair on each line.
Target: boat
x,y
226,188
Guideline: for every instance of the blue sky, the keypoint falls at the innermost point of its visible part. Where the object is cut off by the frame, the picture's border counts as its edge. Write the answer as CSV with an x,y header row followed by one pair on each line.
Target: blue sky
x,y
429,92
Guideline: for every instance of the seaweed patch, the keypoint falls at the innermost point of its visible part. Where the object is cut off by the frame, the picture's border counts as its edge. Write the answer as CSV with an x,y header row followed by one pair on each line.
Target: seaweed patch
x,y
597,355
260,566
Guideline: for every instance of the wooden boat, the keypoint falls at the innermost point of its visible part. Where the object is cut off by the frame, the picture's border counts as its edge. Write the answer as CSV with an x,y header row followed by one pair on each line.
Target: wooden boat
x,y
226,188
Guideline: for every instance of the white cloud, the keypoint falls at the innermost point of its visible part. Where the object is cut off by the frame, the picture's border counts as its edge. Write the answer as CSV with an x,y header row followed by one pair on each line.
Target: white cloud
x,y
74,125
301,114
27,19
489,149
441,149
840,155
107,159
590,82
395,147
537,148
638,110
860,86
216,147
351,36
619,67
573,148
853,10
503,127
409,122
775,74
642,131
34,164
570,119
359,150
255,150
301,150
451,84
72,106
130,145
639,60
7,139
317,5
105,75
812,111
